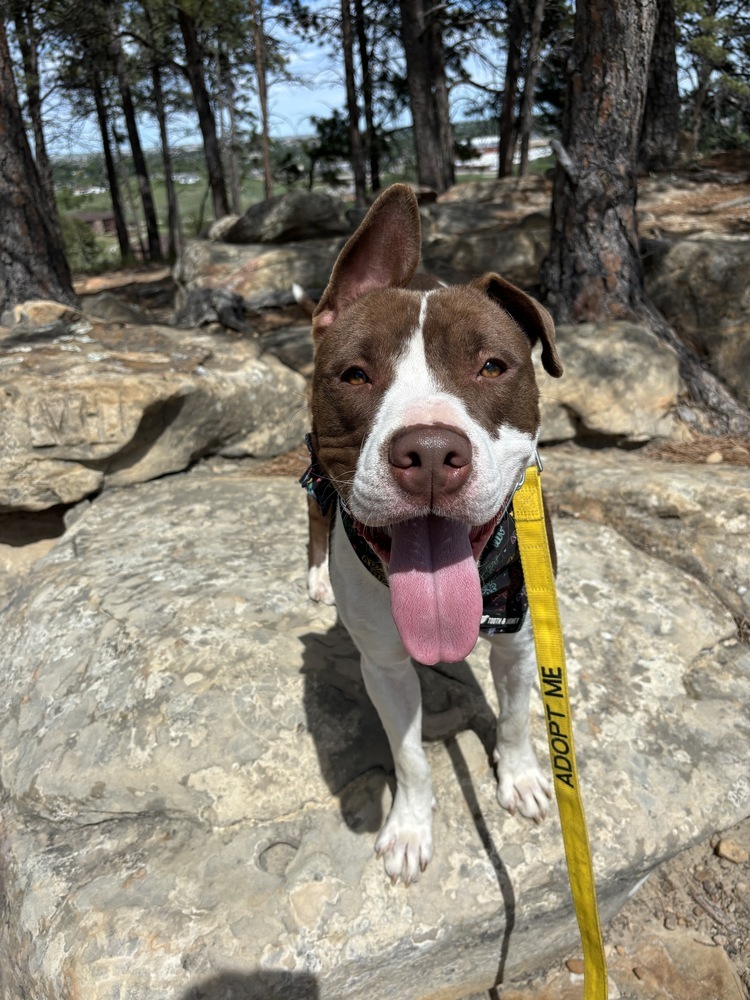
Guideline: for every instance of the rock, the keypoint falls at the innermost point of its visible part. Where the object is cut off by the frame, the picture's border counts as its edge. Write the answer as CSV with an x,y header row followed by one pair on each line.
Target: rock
x,y
620,381
532,192
110,307
292,345
192,783
702,285
24,538
693,516
218,229
516,252
296,215
90,404
733,852
261,276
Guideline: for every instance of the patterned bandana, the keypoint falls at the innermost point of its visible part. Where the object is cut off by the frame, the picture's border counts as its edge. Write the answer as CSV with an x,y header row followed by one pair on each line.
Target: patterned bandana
x,y
499,565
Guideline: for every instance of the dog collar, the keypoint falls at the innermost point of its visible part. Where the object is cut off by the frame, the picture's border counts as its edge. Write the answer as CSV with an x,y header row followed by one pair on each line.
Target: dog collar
x,y
500,572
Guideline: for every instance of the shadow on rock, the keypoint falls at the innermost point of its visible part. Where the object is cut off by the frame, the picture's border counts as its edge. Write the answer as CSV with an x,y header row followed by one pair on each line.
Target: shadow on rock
x,y
352,748
262,985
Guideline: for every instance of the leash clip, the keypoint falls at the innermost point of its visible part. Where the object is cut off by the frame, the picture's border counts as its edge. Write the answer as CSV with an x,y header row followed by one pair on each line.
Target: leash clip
x,y
537,461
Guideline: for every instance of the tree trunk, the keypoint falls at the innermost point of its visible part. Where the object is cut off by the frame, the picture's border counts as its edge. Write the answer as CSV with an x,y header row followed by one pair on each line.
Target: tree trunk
x,y
529,88
174,224
660,134
421,97
139,161
173,212
515,32
441,96
355,138
228,139
206,121
123,240
699,103
32,259
28,43
593,271
371,142
260,72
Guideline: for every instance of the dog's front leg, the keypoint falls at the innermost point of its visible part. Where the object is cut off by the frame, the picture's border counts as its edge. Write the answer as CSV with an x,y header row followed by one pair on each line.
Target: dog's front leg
x,y
405,841
522,786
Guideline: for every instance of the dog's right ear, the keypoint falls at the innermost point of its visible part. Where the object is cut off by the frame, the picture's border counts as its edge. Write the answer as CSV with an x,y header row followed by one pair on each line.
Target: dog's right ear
x,y
382,253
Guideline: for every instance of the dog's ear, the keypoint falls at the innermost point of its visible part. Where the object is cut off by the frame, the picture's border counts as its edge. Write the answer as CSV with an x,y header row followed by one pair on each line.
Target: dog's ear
x,y
382,253
532,317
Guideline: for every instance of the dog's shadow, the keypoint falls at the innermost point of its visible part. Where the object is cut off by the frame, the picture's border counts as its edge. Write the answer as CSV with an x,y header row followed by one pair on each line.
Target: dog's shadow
x,y
353,751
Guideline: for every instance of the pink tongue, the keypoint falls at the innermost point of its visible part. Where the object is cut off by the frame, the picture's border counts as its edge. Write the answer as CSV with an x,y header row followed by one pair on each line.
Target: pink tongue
x,y
436,597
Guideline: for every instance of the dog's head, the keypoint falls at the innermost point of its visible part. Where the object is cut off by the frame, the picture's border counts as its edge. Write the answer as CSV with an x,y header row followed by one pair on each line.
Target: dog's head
x,y
422,401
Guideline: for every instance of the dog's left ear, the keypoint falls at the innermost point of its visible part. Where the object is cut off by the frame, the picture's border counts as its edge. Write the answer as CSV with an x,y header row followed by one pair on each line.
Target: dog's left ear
x,y
532,317
383,253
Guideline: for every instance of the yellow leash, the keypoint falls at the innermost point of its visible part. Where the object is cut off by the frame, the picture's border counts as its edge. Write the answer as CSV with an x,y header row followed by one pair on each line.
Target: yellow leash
x,y
528,512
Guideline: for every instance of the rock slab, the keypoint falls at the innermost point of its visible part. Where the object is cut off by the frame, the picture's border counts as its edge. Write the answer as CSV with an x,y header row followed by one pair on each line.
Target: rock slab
x,y
88,404
192,776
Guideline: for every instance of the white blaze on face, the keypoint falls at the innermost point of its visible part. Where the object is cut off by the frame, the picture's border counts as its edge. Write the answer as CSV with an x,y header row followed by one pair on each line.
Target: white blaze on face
x,y
416,397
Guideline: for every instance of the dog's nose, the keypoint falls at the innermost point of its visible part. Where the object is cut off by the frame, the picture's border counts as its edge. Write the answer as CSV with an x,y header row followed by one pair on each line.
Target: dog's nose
x,y
430,461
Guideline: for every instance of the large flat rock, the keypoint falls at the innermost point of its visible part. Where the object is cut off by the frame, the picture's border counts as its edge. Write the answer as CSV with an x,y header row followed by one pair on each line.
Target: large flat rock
x,y
88,404
192,776
696,517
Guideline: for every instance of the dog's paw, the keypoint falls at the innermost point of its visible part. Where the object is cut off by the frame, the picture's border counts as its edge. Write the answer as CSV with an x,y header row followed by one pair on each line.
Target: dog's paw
x,y
522,787
319,585
405,843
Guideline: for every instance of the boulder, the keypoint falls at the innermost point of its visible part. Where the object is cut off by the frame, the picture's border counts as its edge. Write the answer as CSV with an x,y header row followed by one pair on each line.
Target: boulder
x,y
531,192
192,775
514,251
220,227
256,276
296,215
696,517
89,404
620,382
702,285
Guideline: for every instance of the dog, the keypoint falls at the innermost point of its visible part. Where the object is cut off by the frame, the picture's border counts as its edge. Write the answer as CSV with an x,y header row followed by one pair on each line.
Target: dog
x,y
424,417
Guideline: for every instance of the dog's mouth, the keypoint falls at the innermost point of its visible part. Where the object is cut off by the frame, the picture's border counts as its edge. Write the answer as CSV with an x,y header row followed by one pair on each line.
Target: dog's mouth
x,y
435,591
380,539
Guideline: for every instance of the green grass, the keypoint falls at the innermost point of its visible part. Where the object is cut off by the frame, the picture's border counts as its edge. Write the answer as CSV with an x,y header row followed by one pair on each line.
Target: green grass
x,y
196,212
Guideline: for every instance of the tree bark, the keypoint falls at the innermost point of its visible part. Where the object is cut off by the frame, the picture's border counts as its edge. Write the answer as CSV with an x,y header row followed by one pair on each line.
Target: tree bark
x,y
206,120
356,151
593,271
420,77
508,132
123,240
260,72
32,259
529,87
660,134
371,142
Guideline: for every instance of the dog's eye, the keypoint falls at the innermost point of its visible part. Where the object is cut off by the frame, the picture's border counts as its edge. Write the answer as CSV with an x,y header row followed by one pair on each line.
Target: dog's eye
x,y
355,376
493,368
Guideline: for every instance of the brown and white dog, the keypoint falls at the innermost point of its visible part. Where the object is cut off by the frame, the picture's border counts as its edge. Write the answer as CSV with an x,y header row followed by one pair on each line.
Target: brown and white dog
x,y
425,415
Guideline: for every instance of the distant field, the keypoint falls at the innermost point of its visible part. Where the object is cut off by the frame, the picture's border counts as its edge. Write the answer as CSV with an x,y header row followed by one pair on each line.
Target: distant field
x,y
88,253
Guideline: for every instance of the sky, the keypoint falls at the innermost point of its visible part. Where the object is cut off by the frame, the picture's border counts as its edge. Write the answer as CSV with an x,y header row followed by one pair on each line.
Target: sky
x,y
291,105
